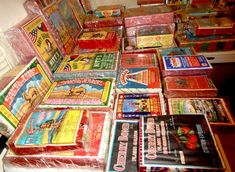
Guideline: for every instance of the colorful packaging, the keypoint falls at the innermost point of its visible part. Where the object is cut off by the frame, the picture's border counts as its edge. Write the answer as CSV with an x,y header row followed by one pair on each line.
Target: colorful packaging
x,y
177,143
22,95
148,15
79,159
132,106
78,11
123,147
90,65
109,11
216,109
100,39
138,80
143,2
189,86
86,5
82,92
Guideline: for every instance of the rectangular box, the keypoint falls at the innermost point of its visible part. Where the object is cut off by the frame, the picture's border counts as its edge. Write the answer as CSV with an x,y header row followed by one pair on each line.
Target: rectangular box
x,y
216,109
109,11
189,86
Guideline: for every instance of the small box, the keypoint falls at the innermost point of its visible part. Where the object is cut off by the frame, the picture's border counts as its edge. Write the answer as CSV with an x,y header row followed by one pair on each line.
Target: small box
x,y
109,11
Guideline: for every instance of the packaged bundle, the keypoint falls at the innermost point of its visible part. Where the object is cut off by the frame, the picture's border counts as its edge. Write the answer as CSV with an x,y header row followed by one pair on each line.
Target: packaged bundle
x,y
89,65
178,143
109,11
132,106
189,86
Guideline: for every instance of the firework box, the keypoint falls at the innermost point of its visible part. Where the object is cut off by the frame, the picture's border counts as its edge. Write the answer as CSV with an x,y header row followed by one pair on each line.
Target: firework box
x,y
206,43
123,150
132,106
82,92
109,11
143,2
143,60
100,39
216,109
51,130
189,86
212,26
92,159
148,15
22,95
155,36
177,143
90,65
185,65
78,12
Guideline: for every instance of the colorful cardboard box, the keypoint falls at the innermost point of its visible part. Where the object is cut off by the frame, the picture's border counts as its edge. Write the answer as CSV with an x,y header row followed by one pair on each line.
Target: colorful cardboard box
x,y
109,11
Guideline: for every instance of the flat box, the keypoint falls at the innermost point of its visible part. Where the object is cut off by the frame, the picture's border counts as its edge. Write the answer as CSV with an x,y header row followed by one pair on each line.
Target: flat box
x,y
82,92
185,65
109,11
147,2
216,109
123,146
138,80
100,39
79,159
206,44
89,65
132,106
155,36
48,131
149,15
178,143
189,86
212,26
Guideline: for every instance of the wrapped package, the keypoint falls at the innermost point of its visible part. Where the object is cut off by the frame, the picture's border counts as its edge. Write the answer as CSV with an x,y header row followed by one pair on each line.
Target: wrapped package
x,y
185,65
32,38
149,15
178,143
94,22
211,26
123,146
99,39
206,43
22,95
90,65
79,159
82,92
138,80
189,86
132,106
216,109
143,60
109,11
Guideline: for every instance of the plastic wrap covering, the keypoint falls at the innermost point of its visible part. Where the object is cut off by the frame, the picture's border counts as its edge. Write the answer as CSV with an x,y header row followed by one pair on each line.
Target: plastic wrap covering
x,y
22,95
211,26
149,15
52,17
216,109
184,143
94,22
143,60
90,65
48,130
206,43
78,159
100,39
138,80
132,106
109,11
31,37
123,147
189,86
118,29
185,65
83,92
132,31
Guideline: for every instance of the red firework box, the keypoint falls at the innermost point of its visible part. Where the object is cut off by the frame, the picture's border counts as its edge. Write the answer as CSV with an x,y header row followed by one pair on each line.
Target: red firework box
x,y
92,159
149,15
142,2
211,26
196,2
99,39
51,130
189,86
